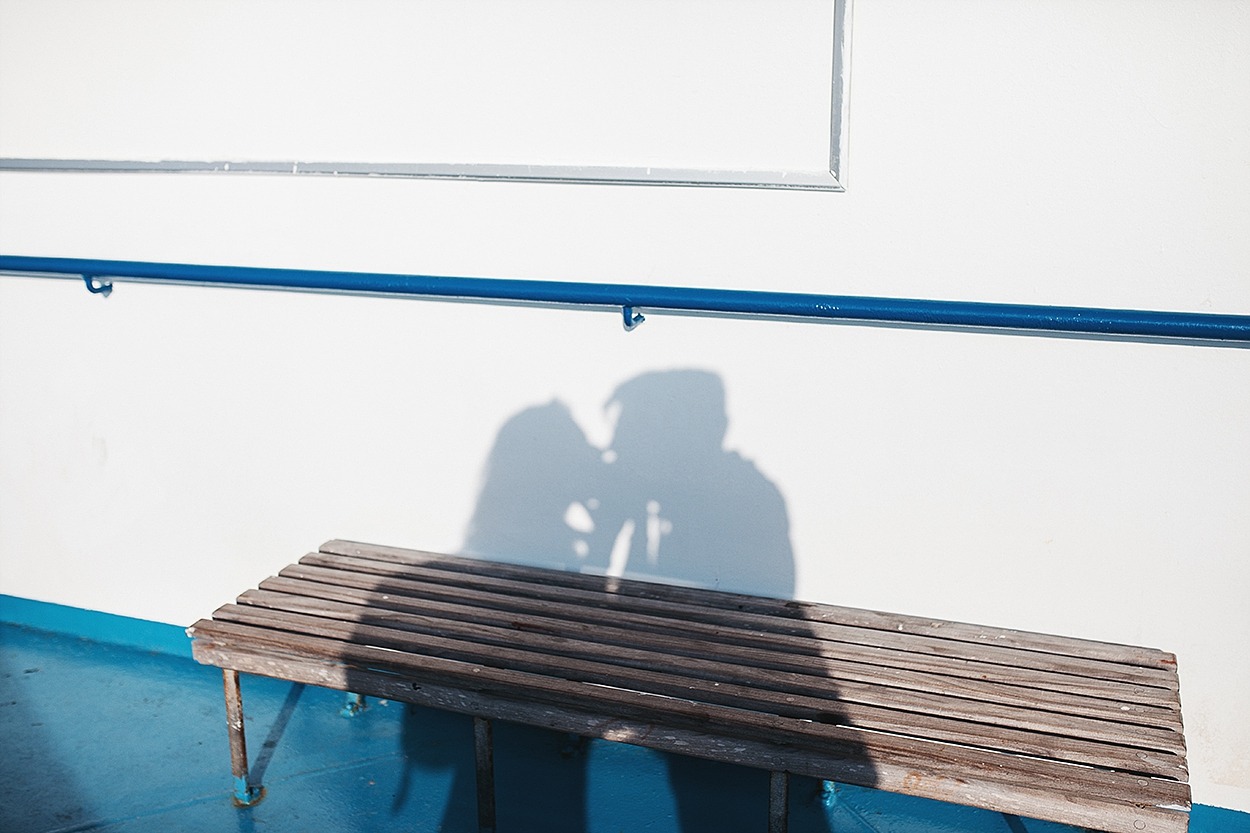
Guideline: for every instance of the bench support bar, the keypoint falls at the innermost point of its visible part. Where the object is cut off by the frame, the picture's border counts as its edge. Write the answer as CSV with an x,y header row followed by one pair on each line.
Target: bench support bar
x,y
778,802
245,794
354,704
484,757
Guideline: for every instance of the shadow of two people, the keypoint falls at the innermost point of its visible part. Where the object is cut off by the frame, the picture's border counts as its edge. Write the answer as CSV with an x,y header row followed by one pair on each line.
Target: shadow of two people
x,y
665,501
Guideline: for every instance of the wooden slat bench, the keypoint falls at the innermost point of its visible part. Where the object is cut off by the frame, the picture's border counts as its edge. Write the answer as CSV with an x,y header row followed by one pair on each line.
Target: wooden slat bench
x,y
1068,730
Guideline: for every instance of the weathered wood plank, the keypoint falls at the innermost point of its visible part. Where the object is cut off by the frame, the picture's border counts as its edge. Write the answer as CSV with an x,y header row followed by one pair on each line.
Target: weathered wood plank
x,y
1066,737
947,658
992,734
1069,695
810,611
1067,730
1000,653
921,780
867,754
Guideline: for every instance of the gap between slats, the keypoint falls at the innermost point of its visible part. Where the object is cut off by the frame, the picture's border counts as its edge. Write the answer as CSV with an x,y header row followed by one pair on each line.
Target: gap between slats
x,y
604,637
1075,740
801,644
1002,654
793,609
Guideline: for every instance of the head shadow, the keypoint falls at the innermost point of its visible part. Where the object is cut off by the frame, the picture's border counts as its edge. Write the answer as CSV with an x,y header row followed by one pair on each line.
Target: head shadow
x,y
539,466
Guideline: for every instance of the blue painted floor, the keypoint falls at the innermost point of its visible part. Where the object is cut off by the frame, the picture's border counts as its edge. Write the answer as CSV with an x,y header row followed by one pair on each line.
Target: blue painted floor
x,y
101,737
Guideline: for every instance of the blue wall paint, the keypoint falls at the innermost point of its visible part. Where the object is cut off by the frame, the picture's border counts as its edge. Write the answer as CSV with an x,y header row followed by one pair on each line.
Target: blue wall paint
x,y
1205,819
95,626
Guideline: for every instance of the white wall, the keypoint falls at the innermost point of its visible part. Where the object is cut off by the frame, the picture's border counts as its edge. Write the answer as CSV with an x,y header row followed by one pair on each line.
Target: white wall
x,y
165,447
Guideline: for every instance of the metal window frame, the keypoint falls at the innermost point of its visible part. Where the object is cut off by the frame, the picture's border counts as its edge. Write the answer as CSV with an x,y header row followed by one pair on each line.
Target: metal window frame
x,y
833,179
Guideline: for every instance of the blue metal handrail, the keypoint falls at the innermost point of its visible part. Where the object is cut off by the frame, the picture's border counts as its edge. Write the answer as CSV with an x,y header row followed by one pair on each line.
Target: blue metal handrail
x,y
1230,330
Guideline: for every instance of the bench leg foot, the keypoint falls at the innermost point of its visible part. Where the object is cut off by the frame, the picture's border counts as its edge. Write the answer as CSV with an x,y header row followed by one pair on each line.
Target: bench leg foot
x,y
355,704
484,756
245,794
1014,823
778,802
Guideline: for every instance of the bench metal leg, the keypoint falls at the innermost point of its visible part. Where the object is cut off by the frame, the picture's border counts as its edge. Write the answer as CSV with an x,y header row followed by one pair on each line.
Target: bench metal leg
x,y
778,802
245,795
354,705
484,756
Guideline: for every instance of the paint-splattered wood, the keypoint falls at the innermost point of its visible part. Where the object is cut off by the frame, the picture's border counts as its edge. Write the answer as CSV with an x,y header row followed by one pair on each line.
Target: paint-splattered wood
x,y
1068,730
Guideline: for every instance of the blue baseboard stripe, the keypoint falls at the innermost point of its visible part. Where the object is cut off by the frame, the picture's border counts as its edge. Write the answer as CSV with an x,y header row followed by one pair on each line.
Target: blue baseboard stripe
x,y
95,626
1204,819
158,637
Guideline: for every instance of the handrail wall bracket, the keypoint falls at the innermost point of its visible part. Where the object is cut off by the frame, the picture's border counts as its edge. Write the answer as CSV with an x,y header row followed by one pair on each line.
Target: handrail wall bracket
x,y
97,285
631,319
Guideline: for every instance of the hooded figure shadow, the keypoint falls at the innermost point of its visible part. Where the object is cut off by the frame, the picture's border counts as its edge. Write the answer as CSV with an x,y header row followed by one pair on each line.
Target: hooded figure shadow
x,y
686,510
664,502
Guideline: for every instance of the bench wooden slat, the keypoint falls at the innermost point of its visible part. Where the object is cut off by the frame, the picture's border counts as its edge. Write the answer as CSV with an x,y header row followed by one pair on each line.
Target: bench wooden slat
x,y
712,665
806,611
1124,747
1071,646
876,680
1099,669
1161,813
899,711
844,742
937,661
1072,731
599,698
